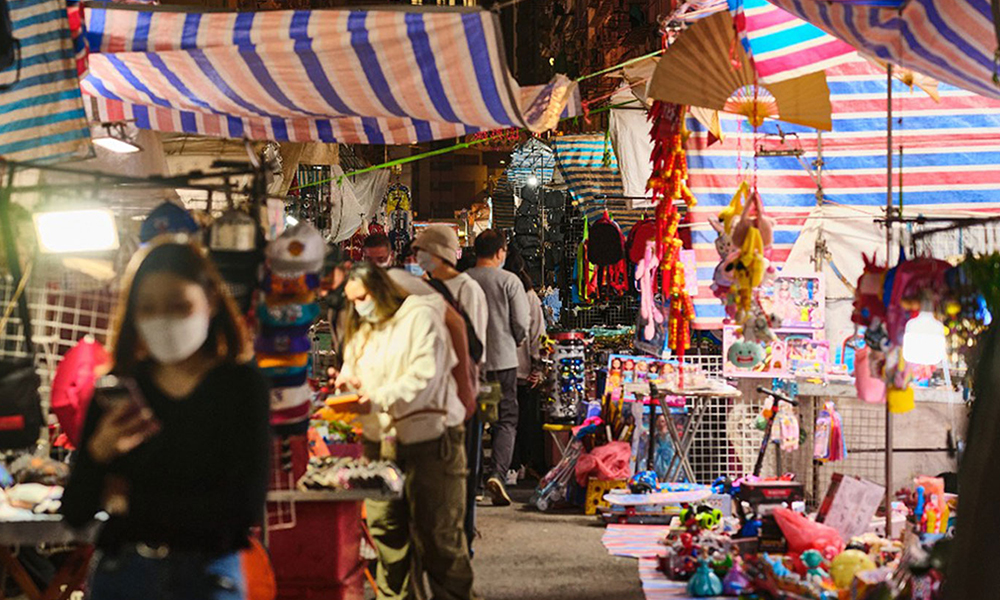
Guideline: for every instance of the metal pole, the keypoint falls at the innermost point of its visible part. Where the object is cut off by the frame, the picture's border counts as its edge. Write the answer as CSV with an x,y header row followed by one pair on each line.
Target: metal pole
x,y
888,252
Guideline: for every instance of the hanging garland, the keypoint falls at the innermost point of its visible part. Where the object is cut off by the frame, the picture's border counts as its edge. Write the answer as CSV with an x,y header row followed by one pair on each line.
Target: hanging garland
x,y
668,184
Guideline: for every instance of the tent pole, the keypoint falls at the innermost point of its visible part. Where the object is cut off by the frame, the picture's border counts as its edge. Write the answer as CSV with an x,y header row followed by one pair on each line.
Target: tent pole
x,y
888,252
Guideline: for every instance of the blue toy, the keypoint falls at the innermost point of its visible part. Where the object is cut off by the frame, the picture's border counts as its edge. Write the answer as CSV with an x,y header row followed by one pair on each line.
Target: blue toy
x,y
704,582
643,482
777,567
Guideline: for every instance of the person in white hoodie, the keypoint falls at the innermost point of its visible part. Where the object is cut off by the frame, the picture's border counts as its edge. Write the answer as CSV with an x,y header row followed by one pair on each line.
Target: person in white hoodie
x,y
398,356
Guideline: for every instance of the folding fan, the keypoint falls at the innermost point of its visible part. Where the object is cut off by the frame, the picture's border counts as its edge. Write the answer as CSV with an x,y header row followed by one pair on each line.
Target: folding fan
x,y
708,67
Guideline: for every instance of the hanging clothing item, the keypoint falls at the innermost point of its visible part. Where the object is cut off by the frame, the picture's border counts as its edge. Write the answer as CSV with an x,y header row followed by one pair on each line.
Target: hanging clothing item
x,y
586,275
606,249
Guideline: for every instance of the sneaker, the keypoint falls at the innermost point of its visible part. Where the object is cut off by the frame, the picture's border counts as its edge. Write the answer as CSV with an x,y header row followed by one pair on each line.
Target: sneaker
x,y
497,492
512,477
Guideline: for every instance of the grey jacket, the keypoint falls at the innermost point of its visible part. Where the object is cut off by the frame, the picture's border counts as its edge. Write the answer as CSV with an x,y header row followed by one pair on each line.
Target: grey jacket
x,y
508,319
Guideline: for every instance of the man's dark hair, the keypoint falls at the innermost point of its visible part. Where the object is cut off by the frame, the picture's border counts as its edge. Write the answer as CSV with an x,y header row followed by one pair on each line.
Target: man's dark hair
x,y
489,243
377,240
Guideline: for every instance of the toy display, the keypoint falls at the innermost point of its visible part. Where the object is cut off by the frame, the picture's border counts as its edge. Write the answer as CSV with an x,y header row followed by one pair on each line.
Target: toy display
x,y
791,353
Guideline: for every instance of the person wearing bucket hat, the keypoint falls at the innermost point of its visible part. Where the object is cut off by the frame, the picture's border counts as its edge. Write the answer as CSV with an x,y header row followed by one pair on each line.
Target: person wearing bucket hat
x,y
437,253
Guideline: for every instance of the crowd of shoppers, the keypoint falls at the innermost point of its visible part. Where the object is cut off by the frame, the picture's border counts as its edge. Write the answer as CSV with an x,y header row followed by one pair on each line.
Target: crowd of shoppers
x,y
181,449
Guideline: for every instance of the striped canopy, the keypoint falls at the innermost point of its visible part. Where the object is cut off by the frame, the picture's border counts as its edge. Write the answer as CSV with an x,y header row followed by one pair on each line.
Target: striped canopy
x,y
392,75
950,40
581,161
951,164
42,114
782,46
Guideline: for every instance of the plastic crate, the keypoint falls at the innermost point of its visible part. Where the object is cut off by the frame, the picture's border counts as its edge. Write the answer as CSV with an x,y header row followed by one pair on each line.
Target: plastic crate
x,y
596,489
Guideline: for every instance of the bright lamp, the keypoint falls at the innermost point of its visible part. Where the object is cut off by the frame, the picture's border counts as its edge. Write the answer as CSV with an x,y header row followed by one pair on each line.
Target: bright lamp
x,y
923,340
532,180
80,230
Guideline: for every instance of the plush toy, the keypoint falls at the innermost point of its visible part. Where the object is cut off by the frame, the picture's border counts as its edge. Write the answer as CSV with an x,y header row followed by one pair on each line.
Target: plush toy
x,y
745,355
645,274
758,327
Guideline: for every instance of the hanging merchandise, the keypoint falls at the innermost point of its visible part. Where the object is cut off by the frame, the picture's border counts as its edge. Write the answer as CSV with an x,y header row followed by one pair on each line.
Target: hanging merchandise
x,y
645,276
788,427
294,261
399,211
585,275
606,250
668,185
829,443
165,219
233,245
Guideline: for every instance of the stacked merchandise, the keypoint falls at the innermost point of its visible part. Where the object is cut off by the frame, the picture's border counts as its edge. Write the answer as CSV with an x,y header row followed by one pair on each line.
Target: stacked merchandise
x,y
554,218
344,473
528,230
286,313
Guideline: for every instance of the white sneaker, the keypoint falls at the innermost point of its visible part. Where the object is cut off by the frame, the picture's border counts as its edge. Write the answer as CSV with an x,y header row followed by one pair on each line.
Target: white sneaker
x,y
512,477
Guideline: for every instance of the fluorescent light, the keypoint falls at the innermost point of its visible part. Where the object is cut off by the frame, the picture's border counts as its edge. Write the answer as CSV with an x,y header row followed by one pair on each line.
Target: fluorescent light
x,y
82,230
923,340
291,221
116,145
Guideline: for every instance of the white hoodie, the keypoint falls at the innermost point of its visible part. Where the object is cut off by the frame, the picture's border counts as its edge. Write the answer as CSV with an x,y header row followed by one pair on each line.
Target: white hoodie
x,y
404,366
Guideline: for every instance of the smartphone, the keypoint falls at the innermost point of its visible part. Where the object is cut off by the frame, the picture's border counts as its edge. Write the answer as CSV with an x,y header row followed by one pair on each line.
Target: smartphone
x,y
110,391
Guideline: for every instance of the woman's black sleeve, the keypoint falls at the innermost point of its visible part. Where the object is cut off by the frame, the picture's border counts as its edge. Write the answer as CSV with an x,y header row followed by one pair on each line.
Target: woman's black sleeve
x,y
83,495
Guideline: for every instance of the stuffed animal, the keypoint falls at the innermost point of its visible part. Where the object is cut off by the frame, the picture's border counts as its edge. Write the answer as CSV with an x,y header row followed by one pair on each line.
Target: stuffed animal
x,y
645,274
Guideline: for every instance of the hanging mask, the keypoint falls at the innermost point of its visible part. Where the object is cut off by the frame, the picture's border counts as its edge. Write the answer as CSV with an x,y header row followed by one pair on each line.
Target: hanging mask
x,y
300,249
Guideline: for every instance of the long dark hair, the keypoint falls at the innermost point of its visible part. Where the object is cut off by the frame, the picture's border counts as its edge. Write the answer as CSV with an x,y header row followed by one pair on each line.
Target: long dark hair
x,y
383,290
227,335
516,265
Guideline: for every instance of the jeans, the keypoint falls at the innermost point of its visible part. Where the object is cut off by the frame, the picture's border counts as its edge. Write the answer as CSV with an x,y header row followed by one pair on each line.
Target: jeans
x,y
504,431
134,574
422,532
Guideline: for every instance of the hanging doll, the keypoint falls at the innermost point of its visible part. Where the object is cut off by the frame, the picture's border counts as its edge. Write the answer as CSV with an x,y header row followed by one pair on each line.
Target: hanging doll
x,y
645,275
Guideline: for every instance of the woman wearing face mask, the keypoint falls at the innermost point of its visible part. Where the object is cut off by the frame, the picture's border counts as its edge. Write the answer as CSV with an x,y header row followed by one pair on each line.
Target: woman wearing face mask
x,y
187,456
398,356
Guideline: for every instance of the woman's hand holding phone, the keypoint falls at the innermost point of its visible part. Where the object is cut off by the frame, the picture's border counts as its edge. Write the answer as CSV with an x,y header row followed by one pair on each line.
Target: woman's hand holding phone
x,y
121,429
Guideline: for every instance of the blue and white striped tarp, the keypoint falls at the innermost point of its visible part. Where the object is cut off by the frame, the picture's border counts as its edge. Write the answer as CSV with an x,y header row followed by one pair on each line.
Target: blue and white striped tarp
x,y
950,40
580,159
391,75
532,157
42,116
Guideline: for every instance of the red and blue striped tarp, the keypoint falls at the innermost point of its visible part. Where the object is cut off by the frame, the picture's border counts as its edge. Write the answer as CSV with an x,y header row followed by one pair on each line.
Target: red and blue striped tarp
x,y
950,40
392,75
43,117
951,162
783,46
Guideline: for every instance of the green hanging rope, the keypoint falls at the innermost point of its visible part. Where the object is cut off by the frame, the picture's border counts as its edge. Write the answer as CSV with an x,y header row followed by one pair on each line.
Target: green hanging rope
x,y
408,159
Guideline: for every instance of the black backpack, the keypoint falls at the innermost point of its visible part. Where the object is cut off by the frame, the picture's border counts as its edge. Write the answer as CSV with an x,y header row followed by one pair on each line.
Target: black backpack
x,y
476,348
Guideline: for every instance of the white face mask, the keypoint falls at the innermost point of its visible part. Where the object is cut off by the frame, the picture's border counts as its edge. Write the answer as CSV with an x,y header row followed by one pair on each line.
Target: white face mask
x,y
171,340
366,309
427,261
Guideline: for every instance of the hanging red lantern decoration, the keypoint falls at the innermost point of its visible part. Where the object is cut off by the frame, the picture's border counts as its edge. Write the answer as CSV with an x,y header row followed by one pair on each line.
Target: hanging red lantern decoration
x,y
668,184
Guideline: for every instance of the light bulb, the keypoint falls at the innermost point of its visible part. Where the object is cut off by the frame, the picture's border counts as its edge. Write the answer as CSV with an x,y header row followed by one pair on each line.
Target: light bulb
x,y
84,230
532,180
923,340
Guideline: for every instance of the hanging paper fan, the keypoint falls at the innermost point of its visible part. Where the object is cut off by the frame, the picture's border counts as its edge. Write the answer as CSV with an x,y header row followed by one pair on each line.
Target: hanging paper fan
x,y
708,67
753,102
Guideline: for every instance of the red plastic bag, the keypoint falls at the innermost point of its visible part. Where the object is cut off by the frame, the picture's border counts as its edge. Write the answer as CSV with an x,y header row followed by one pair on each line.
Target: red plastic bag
x,y
804,534
607,462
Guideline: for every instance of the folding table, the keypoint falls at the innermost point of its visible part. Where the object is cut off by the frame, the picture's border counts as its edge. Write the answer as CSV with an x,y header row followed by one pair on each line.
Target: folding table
x,y
50,530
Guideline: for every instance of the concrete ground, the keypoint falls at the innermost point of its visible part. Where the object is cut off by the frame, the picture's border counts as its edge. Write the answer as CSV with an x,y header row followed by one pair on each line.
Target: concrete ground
x,y
528,555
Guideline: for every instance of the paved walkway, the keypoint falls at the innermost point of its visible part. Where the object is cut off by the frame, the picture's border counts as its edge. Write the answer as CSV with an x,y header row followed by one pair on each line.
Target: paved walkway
x,y
528,555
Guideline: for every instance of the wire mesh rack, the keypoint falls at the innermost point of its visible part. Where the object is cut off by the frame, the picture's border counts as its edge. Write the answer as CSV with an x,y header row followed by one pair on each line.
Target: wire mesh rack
x,y
281,514
61,315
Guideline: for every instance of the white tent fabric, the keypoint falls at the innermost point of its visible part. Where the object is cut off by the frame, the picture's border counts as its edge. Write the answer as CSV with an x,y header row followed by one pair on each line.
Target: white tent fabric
x,y
633,147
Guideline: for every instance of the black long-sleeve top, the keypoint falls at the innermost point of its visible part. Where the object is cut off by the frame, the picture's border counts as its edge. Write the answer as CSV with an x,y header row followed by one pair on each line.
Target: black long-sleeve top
x,y
200,483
